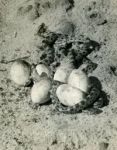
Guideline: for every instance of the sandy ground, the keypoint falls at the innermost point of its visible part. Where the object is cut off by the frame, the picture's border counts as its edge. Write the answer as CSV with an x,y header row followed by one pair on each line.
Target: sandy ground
x,y
23,128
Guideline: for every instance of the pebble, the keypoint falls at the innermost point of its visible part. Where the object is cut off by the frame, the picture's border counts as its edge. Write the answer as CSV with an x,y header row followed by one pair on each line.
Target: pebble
x,y
65,27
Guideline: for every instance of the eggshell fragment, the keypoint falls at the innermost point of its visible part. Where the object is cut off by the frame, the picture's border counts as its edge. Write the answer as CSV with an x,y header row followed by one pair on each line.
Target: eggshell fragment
x,y
35,76
79,80
20,72
41,68
40,91
68,95
62,74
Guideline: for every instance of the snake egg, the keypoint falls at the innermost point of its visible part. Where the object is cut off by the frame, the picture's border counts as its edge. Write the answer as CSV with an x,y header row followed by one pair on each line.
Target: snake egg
x,y
62,74
41,68
40,91
20,72
79,80
68,95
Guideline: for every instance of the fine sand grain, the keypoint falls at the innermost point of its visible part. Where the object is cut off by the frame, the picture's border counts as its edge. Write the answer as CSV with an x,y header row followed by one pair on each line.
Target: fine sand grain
x,y
24,128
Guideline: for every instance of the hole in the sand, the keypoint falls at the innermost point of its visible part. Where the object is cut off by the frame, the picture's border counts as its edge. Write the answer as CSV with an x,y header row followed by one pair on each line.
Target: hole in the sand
x,y
93,15
94,3
89,9
71,2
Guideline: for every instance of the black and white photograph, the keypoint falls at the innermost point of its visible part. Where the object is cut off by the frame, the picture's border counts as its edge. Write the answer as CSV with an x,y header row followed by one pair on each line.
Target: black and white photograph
x,y
58,74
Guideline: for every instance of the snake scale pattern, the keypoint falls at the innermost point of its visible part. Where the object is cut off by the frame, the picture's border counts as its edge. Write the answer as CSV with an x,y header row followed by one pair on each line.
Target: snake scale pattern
x,y
55,48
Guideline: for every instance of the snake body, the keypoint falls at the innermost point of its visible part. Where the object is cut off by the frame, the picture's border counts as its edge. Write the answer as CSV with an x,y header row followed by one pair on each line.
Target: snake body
x,y
89,100
55,48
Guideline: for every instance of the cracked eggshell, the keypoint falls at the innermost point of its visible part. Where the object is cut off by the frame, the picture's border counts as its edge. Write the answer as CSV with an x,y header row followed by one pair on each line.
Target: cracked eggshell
x,y
62,74
40,91
79,80
68,95
35,76
20,72
41,68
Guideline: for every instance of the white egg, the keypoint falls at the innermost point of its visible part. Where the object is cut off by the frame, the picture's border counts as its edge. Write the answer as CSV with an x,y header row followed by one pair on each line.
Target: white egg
x,y
68,95
20,72
41,68
40,91
62,74
79,80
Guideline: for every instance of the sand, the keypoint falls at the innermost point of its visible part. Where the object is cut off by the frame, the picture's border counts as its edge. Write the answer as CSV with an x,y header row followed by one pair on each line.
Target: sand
x,y
24,128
